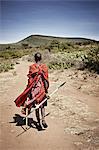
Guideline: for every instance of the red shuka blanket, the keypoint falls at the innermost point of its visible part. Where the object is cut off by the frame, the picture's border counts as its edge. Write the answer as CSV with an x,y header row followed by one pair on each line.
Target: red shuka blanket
x,y
37,84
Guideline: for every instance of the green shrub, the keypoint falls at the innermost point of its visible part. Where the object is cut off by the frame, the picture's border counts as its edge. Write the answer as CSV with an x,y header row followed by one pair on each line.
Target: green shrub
x,y
92,60
12,54
60,65
60,61
6,66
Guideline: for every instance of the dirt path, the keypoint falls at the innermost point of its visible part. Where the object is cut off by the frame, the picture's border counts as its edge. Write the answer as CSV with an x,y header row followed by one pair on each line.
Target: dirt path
x,y
73,120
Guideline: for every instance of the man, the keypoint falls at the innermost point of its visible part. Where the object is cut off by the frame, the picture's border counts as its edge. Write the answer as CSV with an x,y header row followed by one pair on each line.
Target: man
x,y
36,89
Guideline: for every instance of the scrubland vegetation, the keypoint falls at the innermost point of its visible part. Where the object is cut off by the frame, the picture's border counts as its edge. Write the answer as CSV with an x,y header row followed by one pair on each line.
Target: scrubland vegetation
x,y
82,56
59,54
8,58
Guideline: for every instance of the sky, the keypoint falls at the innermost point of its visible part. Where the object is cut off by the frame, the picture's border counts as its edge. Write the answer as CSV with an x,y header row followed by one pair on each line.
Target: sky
x,y
64,18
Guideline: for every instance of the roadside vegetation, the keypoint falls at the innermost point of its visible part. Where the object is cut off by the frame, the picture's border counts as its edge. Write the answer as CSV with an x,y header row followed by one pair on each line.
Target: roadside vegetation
x,y
82,55
91,60
8,58
57,54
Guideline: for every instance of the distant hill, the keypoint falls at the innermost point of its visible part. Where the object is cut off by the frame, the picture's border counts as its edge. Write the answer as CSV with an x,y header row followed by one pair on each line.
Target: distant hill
x,y
41,40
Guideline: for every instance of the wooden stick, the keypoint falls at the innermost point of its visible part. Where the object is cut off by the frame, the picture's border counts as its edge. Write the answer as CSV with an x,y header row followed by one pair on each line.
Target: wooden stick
x,y
26,116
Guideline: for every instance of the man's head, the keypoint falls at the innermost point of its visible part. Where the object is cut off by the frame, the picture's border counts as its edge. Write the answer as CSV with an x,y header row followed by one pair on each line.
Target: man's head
x,y
38,57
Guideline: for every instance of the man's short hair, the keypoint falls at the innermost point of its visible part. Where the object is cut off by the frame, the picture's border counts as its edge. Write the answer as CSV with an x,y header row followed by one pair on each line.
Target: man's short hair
x,y
38,57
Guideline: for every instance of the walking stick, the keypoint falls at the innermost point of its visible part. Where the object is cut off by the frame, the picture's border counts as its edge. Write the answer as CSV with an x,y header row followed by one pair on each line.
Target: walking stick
x,y
26,116
37,106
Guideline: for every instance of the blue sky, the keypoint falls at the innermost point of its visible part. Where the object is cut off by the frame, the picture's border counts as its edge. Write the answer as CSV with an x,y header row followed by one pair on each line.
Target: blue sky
x,y
66,18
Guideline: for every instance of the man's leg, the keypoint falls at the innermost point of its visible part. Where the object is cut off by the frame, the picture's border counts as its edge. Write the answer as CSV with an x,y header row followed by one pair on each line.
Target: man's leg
x,y
38,119
43,117
37,115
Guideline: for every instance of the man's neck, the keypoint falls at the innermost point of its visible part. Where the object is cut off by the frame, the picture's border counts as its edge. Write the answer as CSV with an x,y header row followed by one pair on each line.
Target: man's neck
x,y
38,62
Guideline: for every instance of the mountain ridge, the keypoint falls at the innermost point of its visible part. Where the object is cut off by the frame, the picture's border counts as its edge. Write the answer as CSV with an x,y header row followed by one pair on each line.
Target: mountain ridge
x,y
37,40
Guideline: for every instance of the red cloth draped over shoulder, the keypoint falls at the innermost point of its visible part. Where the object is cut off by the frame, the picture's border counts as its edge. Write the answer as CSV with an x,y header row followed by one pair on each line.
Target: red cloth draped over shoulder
x,y
35,71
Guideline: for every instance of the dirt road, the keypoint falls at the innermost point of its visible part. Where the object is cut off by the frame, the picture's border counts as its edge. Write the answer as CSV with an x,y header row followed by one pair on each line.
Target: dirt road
x,y
73,122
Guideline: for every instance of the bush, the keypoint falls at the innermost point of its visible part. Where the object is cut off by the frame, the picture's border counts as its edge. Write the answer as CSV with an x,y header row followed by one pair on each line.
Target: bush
x,y
92,60
8,54
5,67
12,54
60,61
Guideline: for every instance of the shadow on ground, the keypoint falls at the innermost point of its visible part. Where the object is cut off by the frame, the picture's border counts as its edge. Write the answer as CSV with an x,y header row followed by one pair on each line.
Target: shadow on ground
x,y
20,121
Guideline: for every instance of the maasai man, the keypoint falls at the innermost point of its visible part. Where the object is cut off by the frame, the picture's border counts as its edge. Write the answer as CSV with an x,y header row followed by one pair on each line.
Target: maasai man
x,y
36,89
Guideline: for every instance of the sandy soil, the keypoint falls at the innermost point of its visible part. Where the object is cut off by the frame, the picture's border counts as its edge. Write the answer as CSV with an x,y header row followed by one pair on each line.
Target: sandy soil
x,y
73,112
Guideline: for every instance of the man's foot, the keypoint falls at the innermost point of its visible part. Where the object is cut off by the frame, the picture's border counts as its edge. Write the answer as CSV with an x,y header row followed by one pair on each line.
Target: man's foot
x,y
44,124
39,127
